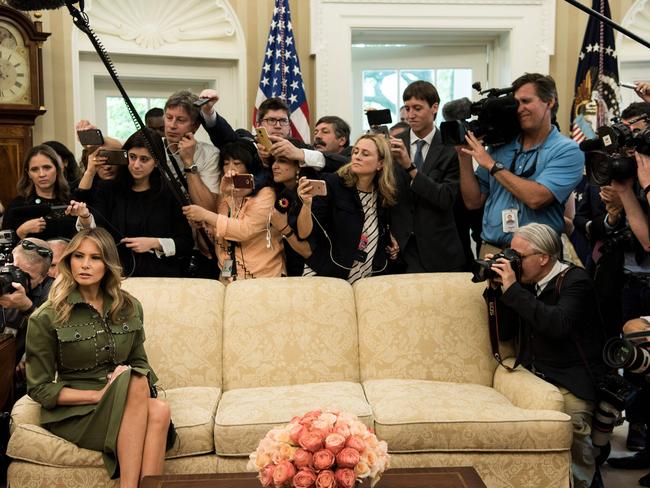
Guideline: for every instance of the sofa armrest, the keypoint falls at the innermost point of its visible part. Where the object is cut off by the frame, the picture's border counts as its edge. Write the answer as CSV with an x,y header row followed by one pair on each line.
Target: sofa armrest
x,y
525,390
25,411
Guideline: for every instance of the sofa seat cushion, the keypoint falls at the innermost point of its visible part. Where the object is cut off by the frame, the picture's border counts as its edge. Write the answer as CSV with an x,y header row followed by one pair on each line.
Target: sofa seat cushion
x,y
423,416
245,415
193,410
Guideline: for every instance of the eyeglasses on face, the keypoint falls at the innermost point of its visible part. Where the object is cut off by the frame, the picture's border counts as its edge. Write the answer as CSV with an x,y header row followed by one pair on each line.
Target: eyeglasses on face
x,y
524,256
274,121
40,250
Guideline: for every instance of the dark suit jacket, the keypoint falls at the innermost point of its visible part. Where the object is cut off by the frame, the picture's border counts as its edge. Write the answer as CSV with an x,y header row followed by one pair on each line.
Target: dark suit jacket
x,y
425,207
551,326
341,214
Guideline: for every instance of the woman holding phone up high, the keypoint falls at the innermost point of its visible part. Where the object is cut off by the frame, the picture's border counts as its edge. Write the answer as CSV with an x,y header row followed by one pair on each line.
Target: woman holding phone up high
x,y
348,228
247,246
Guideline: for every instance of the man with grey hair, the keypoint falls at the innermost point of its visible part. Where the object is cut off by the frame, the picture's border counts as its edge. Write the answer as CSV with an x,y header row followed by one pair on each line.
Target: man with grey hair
x,y
548,307
33,256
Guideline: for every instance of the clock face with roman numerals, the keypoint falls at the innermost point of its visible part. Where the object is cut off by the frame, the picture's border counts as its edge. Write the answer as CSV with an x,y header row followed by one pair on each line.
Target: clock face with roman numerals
x,y
14,68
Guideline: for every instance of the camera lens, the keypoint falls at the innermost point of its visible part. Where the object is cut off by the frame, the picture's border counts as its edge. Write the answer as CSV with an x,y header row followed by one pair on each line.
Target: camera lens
x,y
618,353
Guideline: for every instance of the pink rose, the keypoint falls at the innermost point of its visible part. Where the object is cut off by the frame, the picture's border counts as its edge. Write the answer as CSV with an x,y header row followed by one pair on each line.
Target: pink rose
x,y
323,459
309,417
342,428
295,432
311,441
283,473
266,475
335,442
355,443
302,458
305,478
345,477
326,479
347,458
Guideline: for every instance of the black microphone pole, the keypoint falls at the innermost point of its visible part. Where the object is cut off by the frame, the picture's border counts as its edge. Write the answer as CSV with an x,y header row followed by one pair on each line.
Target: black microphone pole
x,y
609,22
80,20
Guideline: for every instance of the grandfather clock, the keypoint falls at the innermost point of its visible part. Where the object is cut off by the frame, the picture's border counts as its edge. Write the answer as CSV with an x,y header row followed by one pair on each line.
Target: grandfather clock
x,y
21,92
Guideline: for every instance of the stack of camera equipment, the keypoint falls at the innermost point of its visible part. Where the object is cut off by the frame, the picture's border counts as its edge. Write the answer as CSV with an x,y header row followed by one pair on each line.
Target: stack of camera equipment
x,y
608,155
496,119
8,272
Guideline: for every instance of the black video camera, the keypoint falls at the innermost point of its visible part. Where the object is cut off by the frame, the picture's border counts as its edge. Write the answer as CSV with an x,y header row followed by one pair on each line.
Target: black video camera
x,y
496,118
482,268
12,274
608,156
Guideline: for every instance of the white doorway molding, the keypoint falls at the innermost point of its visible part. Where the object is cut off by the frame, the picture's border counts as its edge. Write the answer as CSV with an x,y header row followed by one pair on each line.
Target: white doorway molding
x,y
634,59
520,32
184,43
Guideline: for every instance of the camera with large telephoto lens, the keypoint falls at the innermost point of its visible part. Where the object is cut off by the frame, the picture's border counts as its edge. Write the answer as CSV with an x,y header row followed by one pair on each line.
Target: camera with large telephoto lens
x,y
631,352
482,268
615,393
610,155
495,118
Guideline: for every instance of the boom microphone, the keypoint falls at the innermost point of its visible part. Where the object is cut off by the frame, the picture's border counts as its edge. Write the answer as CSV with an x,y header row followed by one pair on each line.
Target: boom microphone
x,y
28,5
460,109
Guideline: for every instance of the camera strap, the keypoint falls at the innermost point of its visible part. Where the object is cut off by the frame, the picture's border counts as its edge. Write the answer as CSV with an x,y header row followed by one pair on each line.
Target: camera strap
x,y
179,174
491,296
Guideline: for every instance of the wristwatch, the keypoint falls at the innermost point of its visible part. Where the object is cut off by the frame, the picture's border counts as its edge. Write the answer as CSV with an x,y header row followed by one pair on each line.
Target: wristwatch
x,y
496,167
411,168
192,169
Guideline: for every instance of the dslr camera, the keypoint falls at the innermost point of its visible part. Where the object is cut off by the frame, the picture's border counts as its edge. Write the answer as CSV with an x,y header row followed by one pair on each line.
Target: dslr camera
x,y
495,118
609,156
631,356
10,273
615,394
482,268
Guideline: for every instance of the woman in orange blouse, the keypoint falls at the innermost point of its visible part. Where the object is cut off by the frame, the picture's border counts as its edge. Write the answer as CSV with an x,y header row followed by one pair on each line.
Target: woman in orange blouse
x,y
247,246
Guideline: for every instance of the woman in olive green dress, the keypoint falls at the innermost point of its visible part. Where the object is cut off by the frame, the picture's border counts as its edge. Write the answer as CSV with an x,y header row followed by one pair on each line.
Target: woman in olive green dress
x,y
87,367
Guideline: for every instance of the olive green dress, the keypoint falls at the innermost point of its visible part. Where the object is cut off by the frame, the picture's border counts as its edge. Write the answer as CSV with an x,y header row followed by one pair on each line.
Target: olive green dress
x,y
80,354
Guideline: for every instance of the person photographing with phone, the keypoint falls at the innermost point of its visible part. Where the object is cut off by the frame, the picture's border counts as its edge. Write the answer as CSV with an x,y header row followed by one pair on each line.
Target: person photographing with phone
x,y
246,244
348,227
137,209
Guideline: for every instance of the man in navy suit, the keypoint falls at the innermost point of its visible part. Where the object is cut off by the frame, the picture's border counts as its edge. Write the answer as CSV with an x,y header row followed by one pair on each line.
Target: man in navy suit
x,y
427,176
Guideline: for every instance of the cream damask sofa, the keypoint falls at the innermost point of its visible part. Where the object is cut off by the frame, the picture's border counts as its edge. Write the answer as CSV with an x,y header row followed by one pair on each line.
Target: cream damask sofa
x,y
410,355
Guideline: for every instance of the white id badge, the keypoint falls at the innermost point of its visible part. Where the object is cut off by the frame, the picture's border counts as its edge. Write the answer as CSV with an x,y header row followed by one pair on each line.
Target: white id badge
x,y
509,219
226,272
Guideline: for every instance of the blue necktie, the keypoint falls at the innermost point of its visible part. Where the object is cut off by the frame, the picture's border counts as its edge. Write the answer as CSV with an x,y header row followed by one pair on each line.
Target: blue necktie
x,y
418,159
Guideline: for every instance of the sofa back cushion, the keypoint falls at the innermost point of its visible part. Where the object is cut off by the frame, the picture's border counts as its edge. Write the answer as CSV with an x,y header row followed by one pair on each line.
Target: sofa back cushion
x,y
429,326
182,322
288,331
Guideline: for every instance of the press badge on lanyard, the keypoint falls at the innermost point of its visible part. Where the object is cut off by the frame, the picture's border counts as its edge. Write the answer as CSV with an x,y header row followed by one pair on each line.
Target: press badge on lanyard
x,y
509,219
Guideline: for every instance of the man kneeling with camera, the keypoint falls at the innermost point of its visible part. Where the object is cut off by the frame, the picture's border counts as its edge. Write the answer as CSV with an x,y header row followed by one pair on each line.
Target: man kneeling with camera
x,y
549,308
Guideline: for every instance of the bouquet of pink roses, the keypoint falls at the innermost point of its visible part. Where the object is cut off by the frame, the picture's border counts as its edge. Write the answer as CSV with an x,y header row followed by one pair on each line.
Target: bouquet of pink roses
x,y
320,449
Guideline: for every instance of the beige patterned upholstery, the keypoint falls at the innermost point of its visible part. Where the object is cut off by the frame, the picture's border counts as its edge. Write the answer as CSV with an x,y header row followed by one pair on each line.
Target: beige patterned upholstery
x,y
409,354
425,327
182,322
423,416
244,416
193,411
288,332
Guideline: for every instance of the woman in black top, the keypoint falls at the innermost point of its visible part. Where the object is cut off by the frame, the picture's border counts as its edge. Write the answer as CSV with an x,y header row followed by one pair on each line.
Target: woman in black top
x,y
138,210
348,228
41,186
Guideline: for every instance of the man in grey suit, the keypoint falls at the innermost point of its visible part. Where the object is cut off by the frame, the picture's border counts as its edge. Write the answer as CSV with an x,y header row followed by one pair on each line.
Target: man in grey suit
x,y
427,176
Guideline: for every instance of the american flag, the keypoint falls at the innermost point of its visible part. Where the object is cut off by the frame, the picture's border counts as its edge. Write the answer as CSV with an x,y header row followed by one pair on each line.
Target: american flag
x,y
597,92
281,76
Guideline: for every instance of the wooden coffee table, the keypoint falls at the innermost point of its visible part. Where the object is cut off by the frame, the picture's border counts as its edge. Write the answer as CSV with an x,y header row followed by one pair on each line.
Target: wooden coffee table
x,y
461,477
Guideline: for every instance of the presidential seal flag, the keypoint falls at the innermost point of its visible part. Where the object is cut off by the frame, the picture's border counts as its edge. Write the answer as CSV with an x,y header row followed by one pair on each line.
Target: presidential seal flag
x,y
597,91
281,76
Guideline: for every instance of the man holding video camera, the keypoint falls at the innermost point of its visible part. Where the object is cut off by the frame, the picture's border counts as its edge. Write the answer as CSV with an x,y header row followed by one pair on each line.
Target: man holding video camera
x,y
527,179
547,307
31,263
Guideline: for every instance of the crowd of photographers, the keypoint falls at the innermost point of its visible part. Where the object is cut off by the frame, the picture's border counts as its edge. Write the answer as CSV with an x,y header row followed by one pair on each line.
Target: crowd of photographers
x,y
400,201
